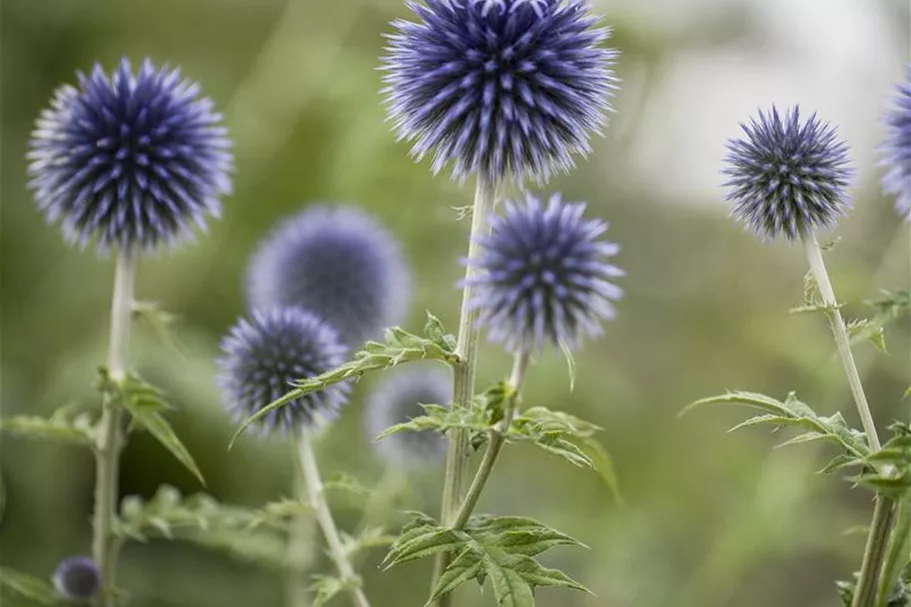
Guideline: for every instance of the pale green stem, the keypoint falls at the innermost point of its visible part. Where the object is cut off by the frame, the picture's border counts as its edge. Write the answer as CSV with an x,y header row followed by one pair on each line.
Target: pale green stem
x,y
495,442
300,543
463,372
878,538
317,497
107,449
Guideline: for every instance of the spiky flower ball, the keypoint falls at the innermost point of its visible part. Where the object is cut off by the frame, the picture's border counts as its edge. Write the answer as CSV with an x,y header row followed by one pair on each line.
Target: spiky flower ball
x,y
499,87
262,355
896,149
398,399
78,579
786,175
129,160
339,263
545,275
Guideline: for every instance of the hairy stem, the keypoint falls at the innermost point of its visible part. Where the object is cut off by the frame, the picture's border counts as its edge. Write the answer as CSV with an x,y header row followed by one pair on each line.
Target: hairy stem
x,y
300,541
463,373
495,443
878,538
317,497
107,449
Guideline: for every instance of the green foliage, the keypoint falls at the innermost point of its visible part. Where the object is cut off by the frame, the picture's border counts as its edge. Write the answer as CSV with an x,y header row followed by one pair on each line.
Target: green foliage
x,y
399,347
499,548
327,587
888,471
146,403
897,557
21,589
794,413
65,424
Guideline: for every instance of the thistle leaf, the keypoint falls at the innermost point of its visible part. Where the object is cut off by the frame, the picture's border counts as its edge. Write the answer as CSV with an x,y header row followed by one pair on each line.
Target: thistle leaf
x,y
399,347
325,588
60,426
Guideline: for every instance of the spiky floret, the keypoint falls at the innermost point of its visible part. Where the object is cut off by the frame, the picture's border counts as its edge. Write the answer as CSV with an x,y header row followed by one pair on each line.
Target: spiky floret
x,y
786,175
338,262
545,275
398,399
262,355
77,579
129,160
896,148
501,88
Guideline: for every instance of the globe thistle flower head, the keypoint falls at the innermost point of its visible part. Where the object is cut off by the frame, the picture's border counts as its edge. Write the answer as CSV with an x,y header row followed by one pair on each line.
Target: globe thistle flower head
x,y
129,160
500,88
78,579
545,275
786,175
896,149
263,354
398,399
339,263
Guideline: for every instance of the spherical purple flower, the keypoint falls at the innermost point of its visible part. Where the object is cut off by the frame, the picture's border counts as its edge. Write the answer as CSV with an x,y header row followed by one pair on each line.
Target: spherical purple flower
x,y
78,579
398,399
262,355
787,175
544,275
129,160
339,263
499,87
896,149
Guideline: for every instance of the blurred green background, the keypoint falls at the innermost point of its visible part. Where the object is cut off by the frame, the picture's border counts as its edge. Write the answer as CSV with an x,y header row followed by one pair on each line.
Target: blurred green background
x,y
709,519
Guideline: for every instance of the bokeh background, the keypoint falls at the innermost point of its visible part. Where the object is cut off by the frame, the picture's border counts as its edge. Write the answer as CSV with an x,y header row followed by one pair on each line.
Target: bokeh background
x,y
709,519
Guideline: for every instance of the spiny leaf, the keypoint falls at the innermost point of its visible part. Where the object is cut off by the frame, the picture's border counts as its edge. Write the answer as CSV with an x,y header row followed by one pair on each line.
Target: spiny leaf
x,y
888,470
556,432
325,588
793,412
865,329
59,426
400,347
28,587
145,403
475,418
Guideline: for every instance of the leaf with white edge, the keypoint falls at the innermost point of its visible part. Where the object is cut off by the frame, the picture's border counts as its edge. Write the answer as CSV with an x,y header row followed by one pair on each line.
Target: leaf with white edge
x,y
399,347
792,412
145,403
897,556
498,548
325,588
27,587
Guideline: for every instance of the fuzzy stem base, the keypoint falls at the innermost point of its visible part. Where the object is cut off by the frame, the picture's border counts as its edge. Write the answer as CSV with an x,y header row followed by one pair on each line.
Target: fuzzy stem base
x,y
463,373
107,449
317,496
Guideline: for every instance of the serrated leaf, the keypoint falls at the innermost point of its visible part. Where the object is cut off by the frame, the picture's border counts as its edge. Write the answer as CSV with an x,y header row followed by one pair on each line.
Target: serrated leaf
x,y
495,548
77,431
442,419
28,587
399,347
792,412
840,462
556,432
897,556
325,588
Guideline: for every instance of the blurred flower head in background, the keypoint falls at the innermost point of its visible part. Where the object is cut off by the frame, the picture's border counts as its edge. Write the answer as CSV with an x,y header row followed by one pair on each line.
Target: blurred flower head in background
x,y
787,175
78,579
397,399
502,88
545,275
896,148
338,262
129,160
262,355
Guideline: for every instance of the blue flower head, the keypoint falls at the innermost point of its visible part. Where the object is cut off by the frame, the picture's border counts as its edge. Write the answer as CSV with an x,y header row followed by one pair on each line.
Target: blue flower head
x,y
398,399
896,149
77,579
339,263
499,87
544,275
262,355
130,160
786,175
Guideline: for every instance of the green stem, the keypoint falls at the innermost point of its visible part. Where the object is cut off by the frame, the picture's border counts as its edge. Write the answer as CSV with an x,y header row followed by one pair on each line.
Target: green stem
x,y
463,373
878,538
300,541
317,496
107,449
495,443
